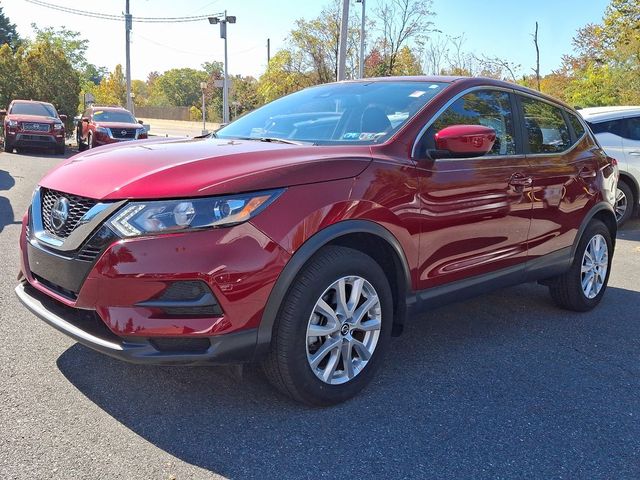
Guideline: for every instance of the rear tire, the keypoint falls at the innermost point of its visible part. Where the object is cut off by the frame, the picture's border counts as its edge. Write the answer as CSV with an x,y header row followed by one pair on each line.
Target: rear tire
x,y
351,335
8,147
582,287
625,203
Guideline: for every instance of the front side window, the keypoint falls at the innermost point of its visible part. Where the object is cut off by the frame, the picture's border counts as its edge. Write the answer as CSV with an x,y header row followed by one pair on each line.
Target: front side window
x,y
342,113
546,130
633,128
483,107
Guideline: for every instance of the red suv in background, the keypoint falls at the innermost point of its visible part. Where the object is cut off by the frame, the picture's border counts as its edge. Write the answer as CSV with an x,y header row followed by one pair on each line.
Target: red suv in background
x,y
303,234
103,125
28,123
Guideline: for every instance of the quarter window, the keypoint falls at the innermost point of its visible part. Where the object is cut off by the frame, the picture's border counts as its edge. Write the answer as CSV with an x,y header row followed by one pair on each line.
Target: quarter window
x,y
616,127
578,129
633,128
546,130
484,107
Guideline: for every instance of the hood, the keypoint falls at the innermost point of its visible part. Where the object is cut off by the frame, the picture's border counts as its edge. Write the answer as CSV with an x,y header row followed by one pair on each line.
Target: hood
x,y
33,118
200,167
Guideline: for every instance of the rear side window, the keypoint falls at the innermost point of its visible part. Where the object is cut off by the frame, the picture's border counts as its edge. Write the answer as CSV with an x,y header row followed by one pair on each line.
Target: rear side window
x,y
483,107
546,130
616,127
578,129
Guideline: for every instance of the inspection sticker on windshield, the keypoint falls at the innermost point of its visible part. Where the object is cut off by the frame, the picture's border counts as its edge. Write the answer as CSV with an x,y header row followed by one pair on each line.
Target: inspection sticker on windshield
x,y
417,93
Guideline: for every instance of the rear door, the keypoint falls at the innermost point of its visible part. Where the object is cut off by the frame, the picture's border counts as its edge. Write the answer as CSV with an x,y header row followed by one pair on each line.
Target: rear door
x,y
564,169
475,212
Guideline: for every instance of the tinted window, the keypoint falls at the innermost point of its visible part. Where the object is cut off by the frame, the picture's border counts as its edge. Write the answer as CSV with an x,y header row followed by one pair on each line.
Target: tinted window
x,y
359,112
547,132
633,128
113,116
484,107
33,109
576,124
616,127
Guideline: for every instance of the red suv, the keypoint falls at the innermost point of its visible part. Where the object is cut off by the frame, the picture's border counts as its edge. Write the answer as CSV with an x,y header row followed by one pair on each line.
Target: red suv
x,y
103,125
28,123
305,233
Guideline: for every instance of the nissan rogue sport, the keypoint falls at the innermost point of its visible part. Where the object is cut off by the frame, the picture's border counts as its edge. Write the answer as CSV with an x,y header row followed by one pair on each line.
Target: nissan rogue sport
x,y
304,234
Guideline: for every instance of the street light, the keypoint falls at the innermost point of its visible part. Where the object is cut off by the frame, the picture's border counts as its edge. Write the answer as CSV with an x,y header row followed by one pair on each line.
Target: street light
x,y
223,20
203,87
361,64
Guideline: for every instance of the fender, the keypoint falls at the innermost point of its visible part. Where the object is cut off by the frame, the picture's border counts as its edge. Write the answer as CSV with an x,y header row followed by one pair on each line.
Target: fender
x,y
601,206
303,254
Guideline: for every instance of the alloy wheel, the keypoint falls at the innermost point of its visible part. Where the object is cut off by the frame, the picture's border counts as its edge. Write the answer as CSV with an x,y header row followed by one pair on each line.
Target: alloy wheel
x,y
343,330
595,263
621,204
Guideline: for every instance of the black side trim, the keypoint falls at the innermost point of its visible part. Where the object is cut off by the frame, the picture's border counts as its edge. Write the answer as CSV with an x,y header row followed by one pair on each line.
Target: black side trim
x,y
597,208
304,253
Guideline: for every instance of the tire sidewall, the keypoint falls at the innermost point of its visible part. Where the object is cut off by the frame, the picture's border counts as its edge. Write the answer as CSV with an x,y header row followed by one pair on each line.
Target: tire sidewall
x,y
301,307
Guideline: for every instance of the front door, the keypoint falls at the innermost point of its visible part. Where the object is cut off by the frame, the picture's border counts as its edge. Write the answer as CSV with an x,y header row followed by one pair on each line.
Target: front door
x,y
475,212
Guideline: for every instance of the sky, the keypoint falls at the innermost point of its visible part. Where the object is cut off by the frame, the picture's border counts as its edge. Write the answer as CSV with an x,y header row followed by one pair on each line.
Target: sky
x,y
500,28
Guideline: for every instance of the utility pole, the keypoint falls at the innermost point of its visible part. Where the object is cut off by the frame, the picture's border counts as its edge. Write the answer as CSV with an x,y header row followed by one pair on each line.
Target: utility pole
x,y
225,87
203,87
342,48
127,31
268,51
361,63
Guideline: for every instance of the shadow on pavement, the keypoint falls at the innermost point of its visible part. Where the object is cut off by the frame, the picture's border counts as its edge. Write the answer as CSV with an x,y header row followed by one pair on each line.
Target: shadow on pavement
x,y
630,230
504,385
6,210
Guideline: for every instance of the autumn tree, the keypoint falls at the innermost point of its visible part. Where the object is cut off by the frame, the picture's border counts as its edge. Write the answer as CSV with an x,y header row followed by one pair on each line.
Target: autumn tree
x,y
285,74
8,34
11,83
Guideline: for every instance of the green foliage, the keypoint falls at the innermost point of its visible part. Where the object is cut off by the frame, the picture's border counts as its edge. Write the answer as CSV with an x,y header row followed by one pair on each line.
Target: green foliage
x,y
8,34
51,77
10,76
195,114
181,86
284,75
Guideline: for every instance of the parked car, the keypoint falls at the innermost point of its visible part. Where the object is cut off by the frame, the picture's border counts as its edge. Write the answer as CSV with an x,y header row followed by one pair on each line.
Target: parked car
x,y
303,234
28,123
618,131
104,125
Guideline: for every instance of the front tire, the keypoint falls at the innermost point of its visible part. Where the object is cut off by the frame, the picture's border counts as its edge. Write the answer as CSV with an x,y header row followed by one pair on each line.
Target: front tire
x,y
332,329
7,146
582,287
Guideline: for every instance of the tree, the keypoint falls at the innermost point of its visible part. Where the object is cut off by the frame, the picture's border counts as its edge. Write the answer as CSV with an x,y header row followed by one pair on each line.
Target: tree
x,y
8,34
112,89
284,75
10,76
181,86
402,22
51,76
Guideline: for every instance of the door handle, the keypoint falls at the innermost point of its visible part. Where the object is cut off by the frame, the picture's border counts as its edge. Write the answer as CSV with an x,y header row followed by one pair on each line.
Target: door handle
x,y
519,180
587,173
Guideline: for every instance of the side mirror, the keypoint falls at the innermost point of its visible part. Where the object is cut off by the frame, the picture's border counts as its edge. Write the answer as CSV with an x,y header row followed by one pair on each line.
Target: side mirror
x,y
63,118
85,119
460,141
140,122
3,113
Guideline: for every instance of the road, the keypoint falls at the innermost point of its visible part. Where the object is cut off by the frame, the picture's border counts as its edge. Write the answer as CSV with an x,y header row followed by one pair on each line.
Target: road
x,y
503,386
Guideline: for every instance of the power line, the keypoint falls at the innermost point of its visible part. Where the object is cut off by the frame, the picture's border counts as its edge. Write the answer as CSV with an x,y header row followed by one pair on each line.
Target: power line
x,y
119,18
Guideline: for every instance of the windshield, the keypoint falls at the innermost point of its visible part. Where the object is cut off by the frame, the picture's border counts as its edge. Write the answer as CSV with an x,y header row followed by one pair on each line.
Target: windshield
x,y
119,116
40,109
340,113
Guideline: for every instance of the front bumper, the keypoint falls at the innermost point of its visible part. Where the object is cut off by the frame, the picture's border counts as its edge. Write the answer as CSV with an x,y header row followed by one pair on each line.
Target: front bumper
x,y
88,330
36,140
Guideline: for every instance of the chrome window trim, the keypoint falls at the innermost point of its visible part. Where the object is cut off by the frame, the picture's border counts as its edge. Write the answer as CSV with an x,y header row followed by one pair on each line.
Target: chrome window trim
x,y
87,224
424,129
453,99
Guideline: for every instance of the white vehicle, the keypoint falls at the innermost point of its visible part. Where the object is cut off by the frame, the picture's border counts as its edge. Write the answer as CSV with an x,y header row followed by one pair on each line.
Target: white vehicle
x,y
618,131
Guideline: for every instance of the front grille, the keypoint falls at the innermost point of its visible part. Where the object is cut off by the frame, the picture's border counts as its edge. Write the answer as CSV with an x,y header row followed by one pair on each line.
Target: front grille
x,y
123,132
63,292
78,206
179,345
22,137
97,244
35,127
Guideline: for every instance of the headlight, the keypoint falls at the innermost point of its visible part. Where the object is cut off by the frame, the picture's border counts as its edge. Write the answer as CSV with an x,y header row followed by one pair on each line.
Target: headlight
x,y
12,123
58,126
104,131
169,216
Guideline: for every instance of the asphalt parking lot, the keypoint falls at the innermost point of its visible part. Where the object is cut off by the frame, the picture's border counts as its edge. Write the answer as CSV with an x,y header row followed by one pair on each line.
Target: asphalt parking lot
x,y
503,386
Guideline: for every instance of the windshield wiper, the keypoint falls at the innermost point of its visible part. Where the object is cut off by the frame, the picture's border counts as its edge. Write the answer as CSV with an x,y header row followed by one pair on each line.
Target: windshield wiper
x,y
273,140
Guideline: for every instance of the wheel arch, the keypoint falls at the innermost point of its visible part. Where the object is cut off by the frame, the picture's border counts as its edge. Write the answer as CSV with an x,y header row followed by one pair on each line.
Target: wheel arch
x,y
363,235
632,183
602,211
